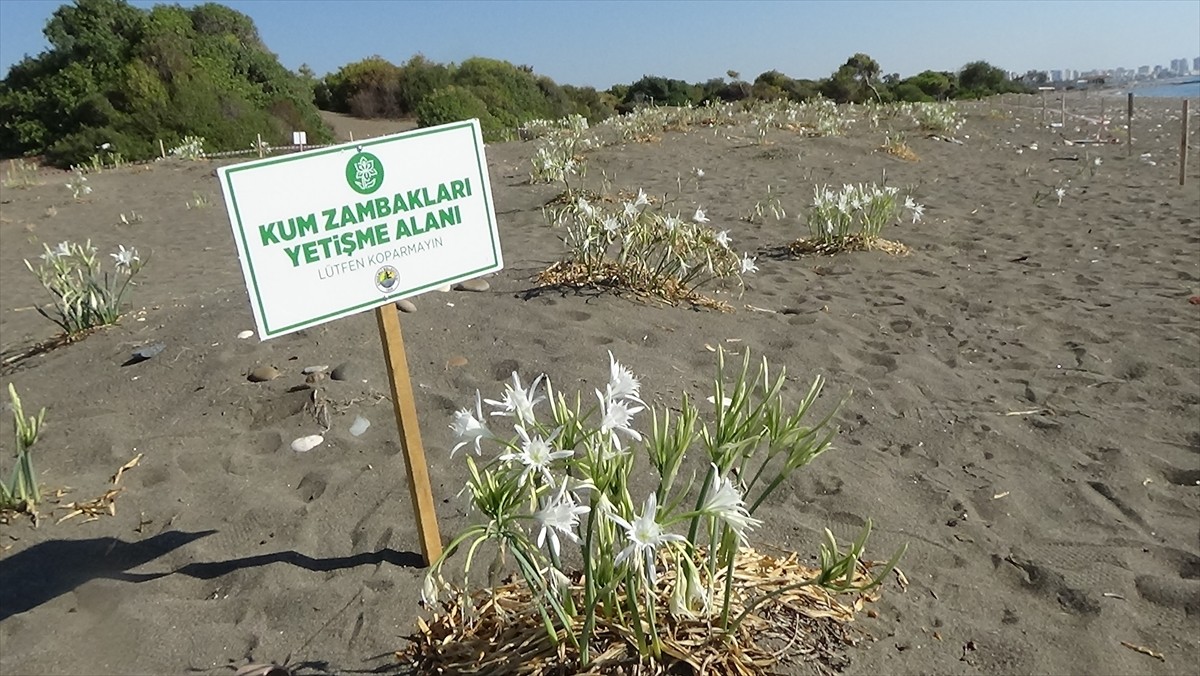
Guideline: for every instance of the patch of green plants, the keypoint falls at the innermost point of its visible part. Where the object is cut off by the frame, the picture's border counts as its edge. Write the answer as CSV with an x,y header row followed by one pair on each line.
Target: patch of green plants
x,y
21,492
665,577
85,295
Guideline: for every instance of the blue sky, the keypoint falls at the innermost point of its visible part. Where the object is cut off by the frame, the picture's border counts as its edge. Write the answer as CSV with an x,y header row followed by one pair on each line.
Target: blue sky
x,y
601,43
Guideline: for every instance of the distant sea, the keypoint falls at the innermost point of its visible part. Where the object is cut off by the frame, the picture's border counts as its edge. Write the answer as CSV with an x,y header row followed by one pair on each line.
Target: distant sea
x,y
1182,89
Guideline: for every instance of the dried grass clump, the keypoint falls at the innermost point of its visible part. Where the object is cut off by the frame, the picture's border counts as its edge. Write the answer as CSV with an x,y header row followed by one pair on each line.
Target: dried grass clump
x,y
816,247
632,279
507,636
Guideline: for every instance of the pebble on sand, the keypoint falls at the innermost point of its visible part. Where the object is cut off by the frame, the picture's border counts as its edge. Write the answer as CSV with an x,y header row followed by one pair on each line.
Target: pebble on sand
x,y
445,288
455,362
360,425
149,351
473,285
306,444
320,368
406,306
262,374
245,334
343,371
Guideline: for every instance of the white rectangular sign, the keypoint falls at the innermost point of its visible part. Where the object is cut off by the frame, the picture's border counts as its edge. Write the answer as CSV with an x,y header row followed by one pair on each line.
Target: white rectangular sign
x,y
328,233
299,138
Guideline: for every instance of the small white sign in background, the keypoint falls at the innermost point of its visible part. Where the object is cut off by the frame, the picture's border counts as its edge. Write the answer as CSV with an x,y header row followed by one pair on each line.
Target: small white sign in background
x,y
299,138
331,232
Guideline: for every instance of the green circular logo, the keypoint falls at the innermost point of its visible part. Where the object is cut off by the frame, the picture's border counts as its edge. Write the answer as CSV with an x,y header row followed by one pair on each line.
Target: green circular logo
x,y
364,173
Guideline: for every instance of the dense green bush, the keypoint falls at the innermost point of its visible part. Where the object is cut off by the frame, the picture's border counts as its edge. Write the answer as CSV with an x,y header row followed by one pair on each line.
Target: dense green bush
x,y
453,103
128,77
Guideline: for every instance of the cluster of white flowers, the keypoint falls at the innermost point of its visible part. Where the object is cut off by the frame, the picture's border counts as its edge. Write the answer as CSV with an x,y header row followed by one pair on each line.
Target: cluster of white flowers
x,y
191,148
862,210
544,468
648,243
938,117
84,295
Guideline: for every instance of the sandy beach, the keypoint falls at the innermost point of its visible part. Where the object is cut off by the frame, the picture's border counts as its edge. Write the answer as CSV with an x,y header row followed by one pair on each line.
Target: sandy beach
x,y
1025,411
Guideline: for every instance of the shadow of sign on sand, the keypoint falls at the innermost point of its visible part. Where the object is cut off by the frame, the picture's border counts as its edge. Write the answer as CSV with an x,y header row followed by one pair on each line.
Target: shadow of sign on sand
x,y
50,569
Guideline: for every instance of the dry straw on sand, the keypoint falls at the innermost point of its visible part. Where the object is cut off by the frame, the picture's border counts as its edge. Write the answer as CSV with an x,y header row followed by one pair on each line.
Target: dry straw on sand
x,y
499,632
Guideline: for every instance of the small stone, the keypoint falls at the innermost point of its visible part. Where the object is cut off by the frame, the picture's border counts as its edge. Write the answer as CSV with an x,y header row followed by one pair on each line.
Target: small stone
x,y
320,368
343,371
306,444
360,425
148,351
455,362
262,374
477,285
245,334
406,306
445,288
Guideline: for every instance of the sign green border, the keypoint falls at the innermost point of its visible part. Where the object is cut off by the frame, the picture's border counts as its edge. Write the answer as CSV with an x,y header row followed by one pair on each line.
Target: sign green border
x,y
257,297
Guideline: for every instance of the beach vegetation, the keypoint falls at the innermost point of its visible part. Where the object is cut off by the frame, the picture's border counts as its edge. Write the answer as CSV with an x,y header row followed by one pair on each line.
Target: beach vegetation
x,y
630,243
20,173
853,218
607,546
21,492
85,295
897,146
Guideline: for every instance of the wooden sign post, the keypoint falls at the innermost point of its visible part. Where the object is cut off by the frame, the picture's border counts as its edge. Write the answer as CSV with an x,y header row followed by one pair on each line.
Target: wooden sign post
x,y
410,431
1183,144
408,213
1129,126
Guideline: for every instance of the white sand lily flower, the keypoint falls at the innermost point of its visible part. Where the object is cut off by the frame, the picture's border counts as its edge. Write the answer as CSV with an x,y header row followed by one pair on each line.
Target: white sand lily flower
x,y
468,427
617,418
724,502
125,258
723,238
559,517
586,207
698,173
629,210
917,210
536,454
642,200
699,216
672,222
748,264
517,400
611,225
1060,193
645,536
622,384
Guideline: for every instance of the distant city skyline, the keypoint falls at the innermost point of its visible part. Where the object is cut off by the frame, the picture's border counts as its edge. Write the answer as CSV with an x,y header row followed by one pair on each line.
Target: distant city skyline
x,y
600,44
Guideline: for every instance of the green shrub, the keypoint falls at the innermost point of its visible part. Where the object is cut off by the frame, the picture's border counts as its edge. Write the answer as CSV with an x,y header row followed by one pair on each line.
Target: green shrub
x,y
454,103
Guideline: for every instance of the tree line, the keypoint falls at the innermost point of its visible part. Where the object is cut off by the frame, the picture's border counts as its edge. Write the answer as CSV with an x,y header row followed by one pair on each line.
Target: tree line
x,y
119,78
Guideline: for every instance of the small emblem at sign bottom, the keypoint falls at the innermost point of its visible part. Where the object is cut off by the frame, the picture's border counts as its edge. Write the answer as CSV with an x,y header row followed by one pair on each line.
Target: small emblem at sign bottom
x,y
386,278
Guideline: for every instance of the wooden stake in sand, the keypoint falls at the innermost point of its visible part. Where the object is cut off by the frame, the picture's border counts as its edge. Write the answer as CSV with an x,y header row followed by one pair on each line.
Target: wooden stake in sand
x,y
1062,111
259,145
1183,143
1129,126
410,431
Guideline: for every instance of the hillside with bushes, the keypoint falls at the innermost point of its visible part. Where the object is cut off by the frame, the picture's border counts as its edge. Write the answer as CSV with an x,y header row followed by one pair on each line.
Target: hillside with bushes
x,y
117,79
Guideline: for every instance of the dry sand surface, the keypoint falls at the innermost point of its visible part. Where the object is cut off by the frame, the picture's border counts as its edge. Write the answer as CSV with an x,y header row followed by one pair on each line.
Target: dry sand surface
x,y
1025,410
